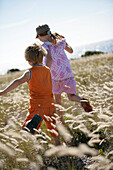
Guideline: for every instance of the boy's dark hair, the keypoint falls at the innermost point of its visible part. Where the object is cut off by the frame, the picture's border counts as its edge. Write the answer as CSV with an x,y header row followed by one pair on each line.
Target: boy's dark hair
x,y
35,54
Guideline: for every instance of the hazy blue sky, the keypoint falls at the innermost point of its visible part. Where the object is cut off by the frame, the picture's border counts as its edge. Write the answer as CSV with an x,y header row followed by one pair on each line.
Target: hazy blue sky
x,y
80,21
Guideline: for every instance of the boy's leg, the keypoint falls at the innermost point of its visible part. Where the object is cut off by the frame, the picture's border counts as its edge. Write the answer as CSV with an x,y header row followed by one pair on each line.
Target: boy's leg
x,y
57,140
51,124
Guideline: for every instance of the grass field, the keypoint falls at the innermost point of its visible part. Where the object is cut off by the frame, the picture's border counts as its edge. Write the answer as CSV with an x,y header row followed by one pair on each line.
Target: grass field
x,y
87,139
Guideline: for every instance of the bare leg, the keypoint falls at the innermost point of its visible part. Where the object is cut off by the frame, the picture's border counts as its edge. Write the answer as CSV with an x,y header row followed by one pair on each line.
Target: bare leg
x,y
57,140
84,102
58,101
74,97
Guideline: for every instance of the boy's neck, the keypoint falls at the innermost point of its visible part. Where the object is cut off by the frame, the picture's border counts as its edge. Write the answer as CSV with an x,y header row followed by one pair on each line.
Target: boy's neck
x,y
38,64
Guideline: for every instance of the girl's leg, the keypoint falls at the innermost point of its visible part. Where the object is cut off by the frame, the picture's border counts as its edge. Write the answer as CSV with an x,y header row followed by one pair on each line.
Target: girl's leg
x,y
84,102
58,98
74,97
58,101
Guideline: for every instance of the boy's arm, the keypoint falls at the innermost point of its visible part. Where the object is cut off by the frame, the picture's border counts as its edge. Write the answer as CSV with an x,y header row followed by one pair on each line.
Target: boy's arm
x,y
68,48
48,59
16,83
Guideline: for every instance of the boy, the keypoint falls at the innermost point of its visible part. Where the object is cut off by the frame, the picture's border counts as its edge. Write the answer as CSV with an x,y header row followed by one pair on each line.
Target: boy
x,y
39,82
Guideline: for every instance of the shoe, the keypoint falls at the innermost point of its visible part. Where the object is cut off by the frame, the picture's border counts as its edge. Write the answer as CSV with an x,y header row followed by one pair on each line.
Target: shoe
x,y
86,105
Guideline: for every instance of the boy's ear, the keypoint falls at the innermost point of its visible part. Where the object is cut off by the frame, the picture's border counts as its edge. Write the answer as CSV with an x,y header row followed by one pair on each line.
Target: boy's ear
x,y
30,63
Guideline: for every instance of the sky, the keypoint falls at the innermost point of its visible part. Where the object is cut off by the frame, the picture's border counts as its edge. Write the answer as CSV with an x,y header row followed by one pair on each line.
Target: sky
x,y
80,21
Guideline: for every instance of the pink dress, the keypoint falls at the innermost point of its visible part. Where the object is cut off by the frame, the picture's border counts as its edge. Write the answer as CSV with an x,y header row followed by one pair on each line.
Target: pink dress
x,y
61,71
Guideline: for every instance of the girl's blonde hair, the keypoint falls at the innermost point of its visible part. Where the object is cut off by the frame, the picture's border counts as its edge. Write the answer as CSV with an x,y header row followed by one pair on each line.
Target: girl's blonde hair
x,y
35,54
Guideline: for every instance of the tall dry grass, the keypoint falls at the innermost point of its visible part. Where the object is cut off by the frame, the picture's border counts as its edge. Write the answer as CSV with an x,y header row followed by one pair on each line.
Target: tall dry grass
x,y
87,139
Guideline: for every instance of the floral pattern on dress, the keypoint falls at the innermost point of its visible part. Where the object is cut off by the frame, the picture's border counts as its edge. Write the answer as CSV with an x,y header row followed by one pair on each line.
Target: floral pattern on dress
x,y
58,62
53,72
62,57
61,75
60,67
68,69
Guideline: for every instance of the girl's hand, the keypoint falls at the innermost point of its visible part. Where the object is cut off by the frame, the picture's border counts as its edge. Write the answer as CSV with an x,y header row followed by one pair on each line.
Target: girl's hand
x,y
1,92
62,36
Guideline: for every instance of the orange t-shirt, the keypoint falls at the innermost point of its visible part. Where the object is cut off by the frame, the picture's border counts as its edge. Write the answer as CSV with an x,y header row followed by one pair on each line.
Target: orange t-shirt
x,y
40,87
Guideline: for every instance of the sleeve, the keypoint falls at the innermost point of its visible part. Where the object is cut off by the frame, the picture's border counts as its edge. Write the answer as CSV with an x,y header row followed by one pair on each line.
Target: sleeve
x,y
45,46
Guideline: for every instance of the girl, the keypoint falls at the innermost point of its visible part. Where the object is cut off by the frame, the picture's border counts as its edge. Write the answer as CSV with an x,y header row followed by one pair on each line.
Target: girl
x,y
62,76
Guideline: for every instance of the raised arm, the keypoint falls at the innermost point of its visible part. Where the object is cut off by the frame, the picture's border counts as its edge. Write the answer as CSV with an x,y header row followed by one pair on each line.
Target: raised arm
x,y
68,48
16,83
